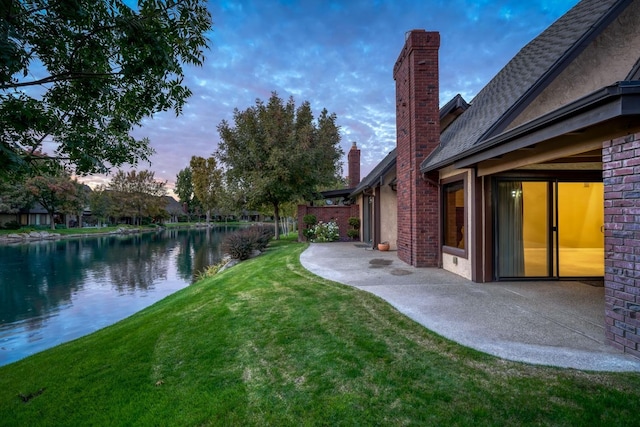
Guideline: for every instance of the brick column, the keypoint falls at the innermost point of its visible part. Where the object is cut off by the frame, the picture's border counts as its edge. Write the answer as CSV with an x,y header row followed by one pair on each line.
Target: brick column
x,y
418,134
621,174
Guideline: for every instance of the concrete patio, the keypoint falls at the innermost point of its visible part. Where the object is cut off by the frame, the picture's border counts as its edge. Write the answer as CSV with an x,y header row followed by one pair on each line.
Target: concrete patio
x,y
547,323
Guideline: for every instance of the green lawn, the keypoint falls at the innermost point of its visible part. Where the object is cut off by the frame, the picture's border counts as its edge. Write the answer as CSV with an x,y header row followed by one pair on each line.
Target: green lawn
x,y
74,231
96,230
268,343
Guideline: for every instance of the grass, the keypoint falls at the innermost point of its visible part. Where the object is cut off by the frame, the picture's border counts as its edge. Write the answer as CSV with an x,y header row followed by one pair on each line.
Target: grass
x,y
268,343
98,230
74,231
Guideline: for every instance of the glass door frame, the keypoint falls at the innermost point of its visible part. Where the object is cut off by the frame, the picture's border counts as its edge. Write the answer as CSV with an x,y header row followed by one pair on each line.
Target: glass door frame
x,y
553,235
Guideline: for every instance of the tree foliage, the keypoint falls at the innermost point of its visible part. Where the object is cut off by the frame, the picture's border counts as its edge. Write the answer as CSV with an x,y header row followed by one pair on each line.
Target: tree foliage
x,y
101,203
207,179
184,185
77,76
138,195
184,190
280,153
57,193
14,197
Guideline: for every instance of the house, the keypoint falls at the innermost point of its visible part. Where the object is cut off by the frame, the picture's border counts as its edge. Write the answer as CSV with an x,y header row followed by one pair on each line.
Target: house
x,y
539,178
376,193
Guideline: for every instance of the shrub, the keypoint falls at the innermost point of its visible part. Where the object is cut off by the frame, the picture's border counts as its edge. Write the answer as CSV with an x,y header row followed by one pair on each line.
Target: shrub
x,y
353,233
309,219
237,246
326,232
259,236
242,243
308,233
211,270
354,222
12,225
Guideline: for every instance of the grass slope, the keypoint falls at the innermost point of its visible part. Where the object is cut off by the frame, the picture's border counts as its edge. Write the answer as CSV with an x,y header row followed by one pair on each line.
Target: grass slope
x,y
268,343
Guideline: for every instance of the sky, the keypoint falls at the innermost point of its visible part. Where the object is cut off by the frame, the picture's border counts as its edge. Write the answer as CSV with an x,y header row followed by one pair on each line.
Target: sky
x,y
337,55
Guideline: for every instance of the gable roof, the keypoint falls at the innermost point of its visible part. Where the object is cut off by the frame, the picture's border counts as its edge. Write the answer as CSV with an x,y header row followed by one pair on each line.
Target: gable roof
x,y
378,172
523,78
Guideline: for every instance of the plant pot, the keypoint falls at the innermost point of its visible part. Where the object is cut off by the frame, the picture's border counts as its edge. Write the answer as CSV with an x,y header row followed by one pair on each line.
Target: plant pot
x,y
384,246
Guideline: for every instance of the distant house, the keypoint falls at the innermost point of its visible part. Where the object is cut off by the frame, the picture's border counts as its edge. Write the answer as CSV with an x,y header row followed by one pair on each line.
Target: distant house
x,y
538,178
174,209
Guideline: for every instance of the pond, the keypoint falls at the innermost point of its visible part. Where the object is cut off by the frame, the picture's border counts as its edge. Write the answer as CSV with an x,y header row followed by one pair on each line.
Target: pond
x,y
52,292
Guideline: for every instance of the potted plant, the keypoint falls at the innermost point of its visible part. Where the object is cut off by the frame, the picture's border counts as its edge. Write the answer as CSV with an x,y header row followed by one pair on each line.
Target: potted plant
x,y
383,246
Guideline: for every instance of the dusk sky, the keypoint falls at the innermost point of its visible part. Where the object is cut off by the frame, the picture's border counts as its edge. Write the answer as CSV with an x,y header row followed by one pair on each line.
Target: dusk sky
x,y
337,55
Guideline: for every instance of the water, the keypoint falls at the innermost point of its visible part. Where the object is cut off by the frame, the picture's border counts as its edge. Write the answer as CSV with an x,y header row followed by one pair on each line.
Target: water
x,y
52,292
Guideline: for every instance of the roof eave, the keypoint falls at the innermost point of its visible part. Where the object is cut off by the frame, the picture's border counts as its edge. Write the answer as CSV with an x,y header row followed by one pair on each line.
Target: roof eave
x,y
619,100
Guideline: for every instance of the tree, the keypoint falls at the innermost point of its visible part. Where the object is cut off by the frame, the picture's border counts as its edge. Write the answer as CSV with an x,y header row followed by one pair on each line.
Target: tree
x,y
280,153
184,190
56,193
138,195
79,75
101,203
13,197
207,179
76,205
230,199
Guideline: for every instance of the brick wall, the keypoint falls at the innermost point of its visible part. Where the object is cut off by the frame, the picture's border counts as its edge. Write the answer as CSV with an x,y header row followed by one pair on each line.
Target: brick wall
x,y
418,133
340,214
621,174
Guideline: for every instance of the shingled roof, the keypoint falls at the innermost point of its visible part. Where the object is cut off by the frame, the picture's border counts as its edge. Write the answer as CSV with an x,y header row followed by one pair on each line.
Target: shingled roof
x,y
378,172
522,79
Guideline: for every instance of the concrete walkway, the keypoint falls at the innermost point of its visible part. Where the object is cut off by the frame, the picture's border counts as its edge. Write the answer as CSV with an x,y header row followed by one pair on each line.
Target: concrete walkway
x,y
546,323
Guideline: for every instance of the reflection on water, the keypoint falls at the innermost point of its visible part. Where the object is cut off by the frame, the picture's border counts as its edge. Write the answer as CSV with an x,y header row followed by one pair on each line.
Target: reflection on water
x,y
55,291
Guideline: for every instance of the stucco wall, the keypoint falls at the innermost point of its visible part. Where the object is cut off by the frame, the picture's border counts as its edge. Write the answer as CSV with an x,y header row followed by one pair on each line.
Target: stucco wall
x,y
605,61
389,212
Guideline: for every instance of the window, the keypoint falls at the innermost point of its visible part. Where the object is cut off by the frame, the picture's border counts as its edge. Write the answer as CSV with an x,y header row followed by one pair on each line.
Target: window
x,y
454,216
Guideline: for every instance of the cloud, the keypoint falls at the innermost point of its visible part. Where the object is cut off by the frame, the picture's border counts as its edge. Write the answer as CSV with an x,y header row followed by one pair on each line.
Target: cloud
x,y
338,56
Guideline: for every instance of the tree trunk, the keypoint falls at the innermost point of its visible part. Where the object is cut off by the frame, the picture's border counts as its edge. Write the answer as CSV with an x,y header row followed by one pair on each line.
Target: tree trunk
x,y
208,216
53,222
276,220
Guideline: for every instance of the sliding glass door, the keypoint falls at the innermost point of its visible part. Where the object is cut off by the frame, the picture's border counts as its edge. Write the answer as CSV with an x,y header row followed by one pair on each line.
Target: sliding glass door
x,y
580,229
548,229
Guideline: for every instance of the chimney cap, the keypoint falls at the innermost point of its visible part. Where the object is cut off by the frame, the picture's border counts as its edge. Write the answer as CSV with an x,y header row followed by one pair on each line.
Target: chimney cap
x,y
354,145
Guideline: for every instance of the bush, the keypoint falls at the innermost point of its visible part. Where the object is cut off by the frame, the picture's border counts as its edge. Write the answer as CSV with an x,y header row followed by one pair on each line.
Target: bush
x,y
308,233
354,222
237,246
259,236
353,233
309,219
326,232
12,225
242,243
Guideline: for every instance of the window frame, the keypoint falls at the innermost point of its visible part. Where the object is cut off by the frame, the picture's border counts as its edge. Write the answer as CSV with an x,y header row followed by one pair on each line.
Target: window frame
x,y
462,253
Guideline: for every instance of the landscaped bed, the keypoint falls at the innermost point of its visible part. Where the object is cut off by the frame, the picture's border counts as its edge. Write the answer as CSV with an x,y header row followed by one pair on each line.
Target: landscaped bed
x,y
268,343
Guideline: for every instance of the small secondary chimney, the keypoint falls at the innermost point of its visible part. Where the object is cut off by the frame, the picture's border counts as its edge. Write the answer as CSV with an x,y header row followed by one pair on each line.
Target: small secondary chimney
x,y
353,159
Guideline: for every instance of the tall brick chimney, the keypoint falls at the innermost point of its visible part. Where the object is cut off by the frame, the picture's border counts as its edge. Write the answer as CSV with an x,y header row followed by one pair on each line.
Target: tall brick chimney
x,y
418,133
353,159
